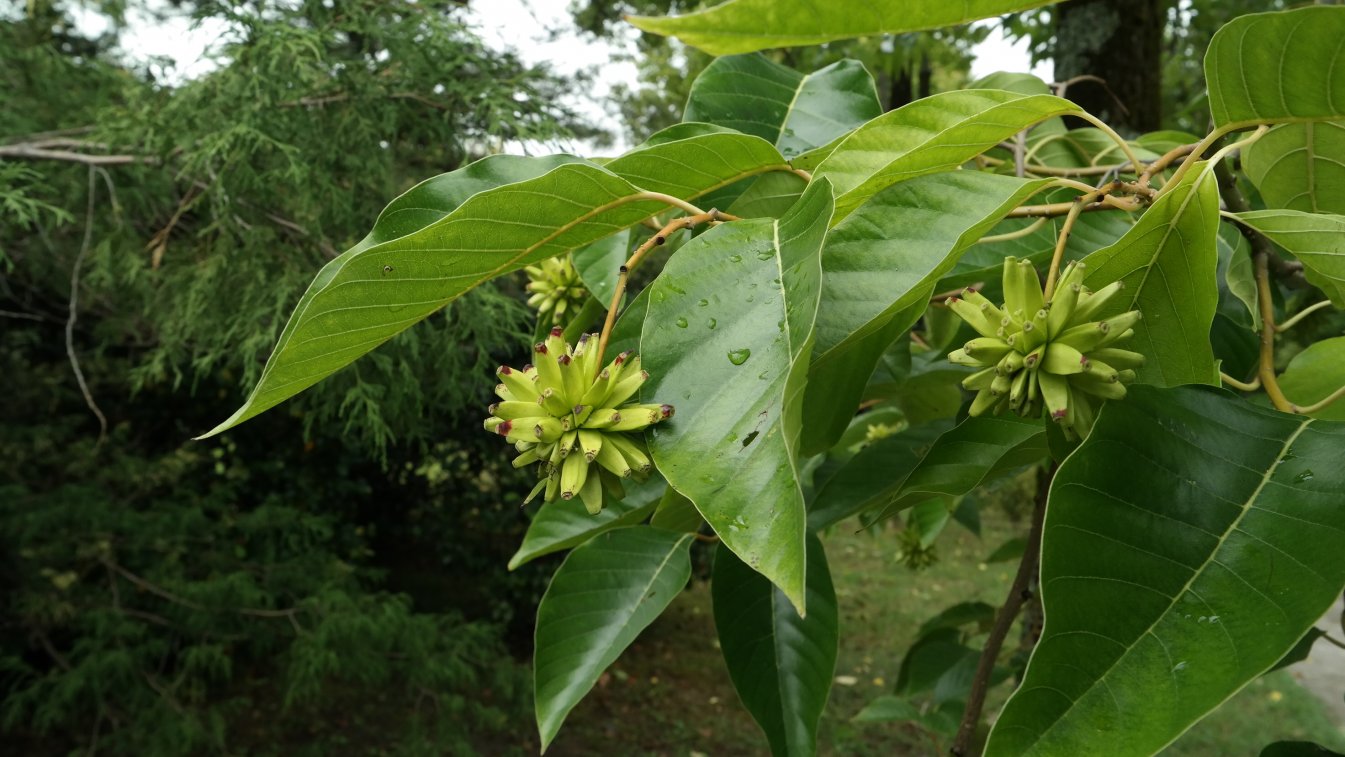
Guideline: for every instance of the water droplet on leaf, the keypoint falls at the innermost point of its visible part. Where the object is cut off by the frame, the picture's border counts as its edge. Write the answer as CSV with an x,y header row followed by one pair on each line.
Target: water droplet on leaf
x,y
738,357
681,323
1303,477
712,323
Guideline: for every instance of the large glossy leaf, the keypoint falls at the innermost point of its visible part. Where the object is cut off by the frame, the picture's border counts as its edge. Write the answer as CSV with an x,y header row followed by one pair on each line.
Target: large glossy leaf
x,y
563,524
727,339
781,664
744,26
793,111
1188,544
369,294
1314,374
606,592
1168,262
936,133
969,455
873,476
1316,239
1275,67
1300,166
879,268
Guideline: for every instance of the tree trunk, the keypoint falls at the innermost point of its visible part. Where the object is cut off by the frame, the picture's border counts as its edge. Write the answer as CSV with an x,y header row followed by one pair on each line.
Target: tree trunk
x,y
1120,43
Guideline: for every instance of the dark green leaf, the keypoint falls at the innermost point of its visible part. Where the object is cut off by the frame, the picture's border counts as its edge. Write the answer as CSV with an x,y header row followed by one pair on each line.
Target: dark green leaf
x,y
563,524
1273,67
1168,262
793,111
970,454
744,26
1189,542
961,614
873,476
676,513
727,340
1009,550
1301,650
887,709
607,591
1297,749
781,664
940,664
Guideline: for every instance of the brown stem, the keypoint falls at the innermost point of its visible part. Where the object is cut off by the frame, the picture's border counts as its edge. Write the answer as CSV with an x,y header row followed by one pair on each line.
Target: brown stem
x,y
687,222
1018,594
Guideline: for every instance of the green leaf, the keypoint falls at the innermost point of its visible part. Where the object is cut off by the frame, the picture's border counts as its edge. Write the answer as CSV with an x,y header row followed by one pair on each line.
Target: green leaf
x,y
1012,549
1168,262
1314,374
676,513
607,591
1300,651
1188,544
940,664
369,294
1235,261
793,111
887,709
937,133
1316,239
978,614
1300,166
873,475
1278,67
727,340
744,26
563,524
599,264
969,455
781,664
432,199
769,196
879,269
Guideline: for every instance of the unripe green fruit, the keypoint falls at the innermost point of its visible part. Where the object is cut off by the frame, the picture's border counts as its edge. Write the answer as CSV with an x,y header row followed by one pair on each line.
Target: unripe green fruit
x,y
568,417
556,288
1034,354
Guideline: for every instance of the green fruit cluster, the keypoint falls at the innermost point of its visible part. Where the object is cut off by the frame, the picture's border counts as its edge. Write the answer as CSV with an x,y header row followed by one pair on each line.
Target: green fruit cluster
x,y
1034,354
556,288
568,417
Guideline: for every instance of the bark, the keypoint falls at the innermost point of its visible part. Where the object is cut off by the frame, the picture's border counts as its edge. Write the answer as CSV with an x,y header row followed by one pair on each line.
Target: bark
x,y
1122,44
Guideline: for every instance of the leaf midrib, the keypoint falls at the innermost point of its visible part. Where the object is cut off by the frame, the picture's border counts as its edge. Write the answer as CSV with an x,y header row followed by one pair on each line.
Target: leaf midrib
x,y
1195,574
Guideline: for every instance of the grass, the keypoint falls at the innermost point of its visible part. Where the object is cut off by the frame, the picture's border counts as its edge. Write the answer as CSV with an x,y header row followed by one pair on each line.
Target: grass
x,y
669,694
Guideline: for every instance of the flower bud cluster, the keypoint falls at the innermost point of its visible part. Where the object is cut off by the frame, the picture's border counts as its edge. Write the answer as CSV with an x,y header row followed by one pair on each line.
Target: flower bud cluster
x,y
556,288
1034,354
574,421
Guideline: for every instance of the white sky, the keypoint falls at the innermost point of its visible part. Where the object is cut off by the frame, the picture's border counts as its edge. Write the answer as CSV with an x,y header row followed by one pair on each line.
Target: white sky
x,y
540,31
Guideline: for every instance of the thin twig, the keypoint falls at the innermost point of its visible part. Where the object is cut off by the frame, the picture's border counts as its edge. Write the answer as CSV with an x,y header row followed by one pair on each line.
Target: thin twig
x,y
1241,386
688,222
1018,593
1320,404
1163,162
1008,235
1136,164
74,311
32,152
1304,313
1063,237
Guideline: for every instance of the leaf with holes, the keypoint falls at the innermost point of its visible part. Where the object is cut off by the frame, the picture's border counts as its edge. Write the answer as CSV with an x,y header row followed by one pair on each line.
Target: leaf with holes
x,y
1278,67
781,664
1168,262
727,339
607,591
1189,543
1316,239
744,26
793,111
